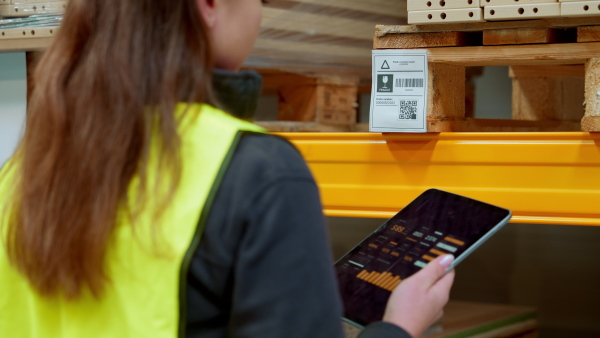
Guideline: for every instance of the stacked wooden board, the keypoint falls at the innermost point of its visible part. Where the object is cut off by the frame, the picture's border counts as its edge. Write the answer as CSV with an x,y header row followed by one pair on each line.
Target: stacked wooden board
x,y
28,24
23,8
444,11
452,11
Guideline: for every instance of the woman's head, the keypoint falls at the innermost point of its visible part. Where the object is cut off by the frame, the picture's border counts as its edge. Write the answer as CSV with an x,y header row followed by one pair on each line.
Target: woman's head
x,y
114,68
233,27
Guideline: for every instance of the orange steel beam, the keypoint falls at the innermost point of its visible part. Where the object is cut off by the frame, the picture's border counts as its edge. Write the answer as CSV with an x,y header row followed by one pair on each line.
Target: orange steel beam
x,y
544,178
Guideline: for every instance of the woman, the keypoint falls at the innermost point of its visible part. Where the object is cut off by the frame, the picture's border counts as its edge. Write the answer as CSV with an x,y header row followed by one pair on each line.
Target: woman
x,y
135,208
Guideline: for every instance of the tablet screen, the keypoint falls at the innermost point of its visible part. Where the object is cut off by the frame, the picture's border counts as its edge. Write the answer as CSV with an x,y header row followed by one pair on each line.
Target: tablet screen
x,y
434,224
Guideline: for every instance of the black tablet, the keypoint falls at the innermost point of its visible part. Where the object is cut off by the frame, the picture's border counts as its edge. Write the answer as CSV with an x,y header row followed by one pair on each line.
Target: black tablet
x,y
434,224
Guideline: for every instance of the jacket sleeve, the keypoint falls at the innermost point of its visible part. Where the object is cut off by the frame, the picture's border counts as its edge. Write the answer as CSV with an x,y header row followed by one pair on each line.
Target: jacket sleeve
x,y
383,329
284,285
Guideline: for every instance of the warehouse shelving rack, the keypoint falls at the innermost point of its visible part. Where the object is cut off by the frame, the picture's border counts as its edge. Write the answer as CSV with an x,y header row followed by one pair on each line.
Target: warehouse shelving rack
x,y
545,178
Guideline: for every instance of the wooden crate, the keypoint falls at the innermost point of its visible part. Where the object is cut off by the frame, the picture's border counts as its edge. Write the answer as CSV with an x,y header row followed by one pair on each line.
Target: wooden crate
x,y
560,58
311,102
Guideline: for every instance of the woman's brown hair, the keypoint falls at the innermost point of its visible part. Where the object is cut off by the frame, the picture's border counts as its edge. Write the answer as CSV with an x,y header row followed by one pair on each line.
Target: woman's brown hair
x,y
114,72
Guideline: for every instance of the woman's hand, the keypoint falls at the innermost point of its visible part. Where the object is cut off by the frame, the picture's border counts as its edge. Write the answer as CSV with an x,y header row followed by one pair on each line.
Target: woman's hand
x,y
418,301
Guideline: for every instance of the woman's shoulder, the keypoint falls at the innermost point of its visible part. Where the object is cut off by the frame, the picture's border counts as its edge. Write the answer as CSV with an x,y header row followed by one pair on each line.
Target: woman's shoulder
x,y
269,155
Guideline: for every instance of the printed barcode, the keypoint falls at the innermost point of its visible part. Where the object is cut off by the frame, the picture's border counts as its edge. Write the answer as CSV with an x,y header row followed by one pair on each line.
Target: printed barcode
x,y
409,83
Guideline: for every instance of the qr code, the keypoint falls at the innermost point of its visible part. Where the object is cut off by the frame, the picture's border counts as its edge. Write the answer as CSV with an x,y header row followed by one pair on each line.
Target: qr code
x,y
408,110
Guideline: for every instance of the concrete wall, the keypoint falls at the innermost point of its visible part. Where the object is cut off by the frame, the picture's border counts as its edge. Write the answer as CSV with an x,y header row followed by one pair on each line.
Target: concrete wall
x,y
13,101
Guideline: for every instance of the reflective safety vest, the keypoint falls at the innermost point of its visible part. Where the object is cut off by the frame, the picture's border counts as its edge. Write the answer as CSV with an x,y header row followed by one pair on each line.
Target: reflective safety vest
x,y
146,293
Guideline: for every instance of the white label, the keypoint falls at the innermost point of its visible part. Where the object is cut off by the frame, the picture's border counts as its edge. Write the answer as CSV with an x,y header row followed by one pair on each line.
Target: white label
x,y
399,95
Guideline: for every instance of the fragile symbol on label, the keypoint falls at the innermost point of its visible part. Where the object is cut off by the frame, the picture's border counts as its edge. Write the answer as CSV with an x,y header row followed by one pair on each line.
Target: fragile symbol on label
x,y
385,83
399,95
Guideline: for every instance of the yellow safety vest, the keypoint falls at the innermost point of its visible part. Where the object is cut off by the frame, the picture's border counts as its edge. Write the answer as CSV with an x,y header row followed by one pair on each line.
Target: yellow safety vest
x,y
146,295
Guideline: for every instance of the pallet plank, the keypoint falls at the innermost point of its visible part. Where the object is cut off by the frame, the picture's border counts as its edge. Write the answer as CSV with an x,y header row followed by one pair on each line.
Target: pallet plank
x,y
520,36
588,33
548,98
577,71
574,53
531,35
446,88
423,40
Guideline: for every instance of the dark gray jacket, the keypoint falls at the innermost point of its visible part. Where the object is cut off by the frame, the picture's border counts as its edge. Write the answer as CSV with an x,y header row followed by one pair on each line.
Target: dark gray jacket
x,y
263,267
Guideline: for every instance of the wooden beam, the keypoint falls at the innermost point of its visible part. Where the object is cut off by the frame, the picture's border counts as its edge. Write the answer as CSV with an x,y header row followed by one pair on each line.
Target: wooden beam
x,y
576,53
547,98
588,33
577,71
591,120
520,36
429,39
548,92
446,92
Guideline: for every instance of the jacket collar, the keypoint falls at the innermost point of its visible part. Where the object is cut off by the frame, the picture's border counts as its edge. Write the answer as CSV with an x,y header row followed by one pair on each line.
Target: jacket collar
x,y
237,92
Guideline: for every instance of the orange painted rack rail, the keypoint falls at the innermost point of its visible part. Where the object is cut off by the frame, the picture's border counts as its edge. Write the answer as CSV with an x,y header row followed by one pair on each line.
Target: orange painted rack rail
x,y
544,178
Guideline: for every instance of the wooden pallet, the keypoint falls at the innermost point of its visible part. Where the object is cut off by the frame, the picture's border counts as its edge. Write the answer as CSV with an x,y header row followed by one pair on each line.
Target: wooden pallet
x,y
310,102
562,59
